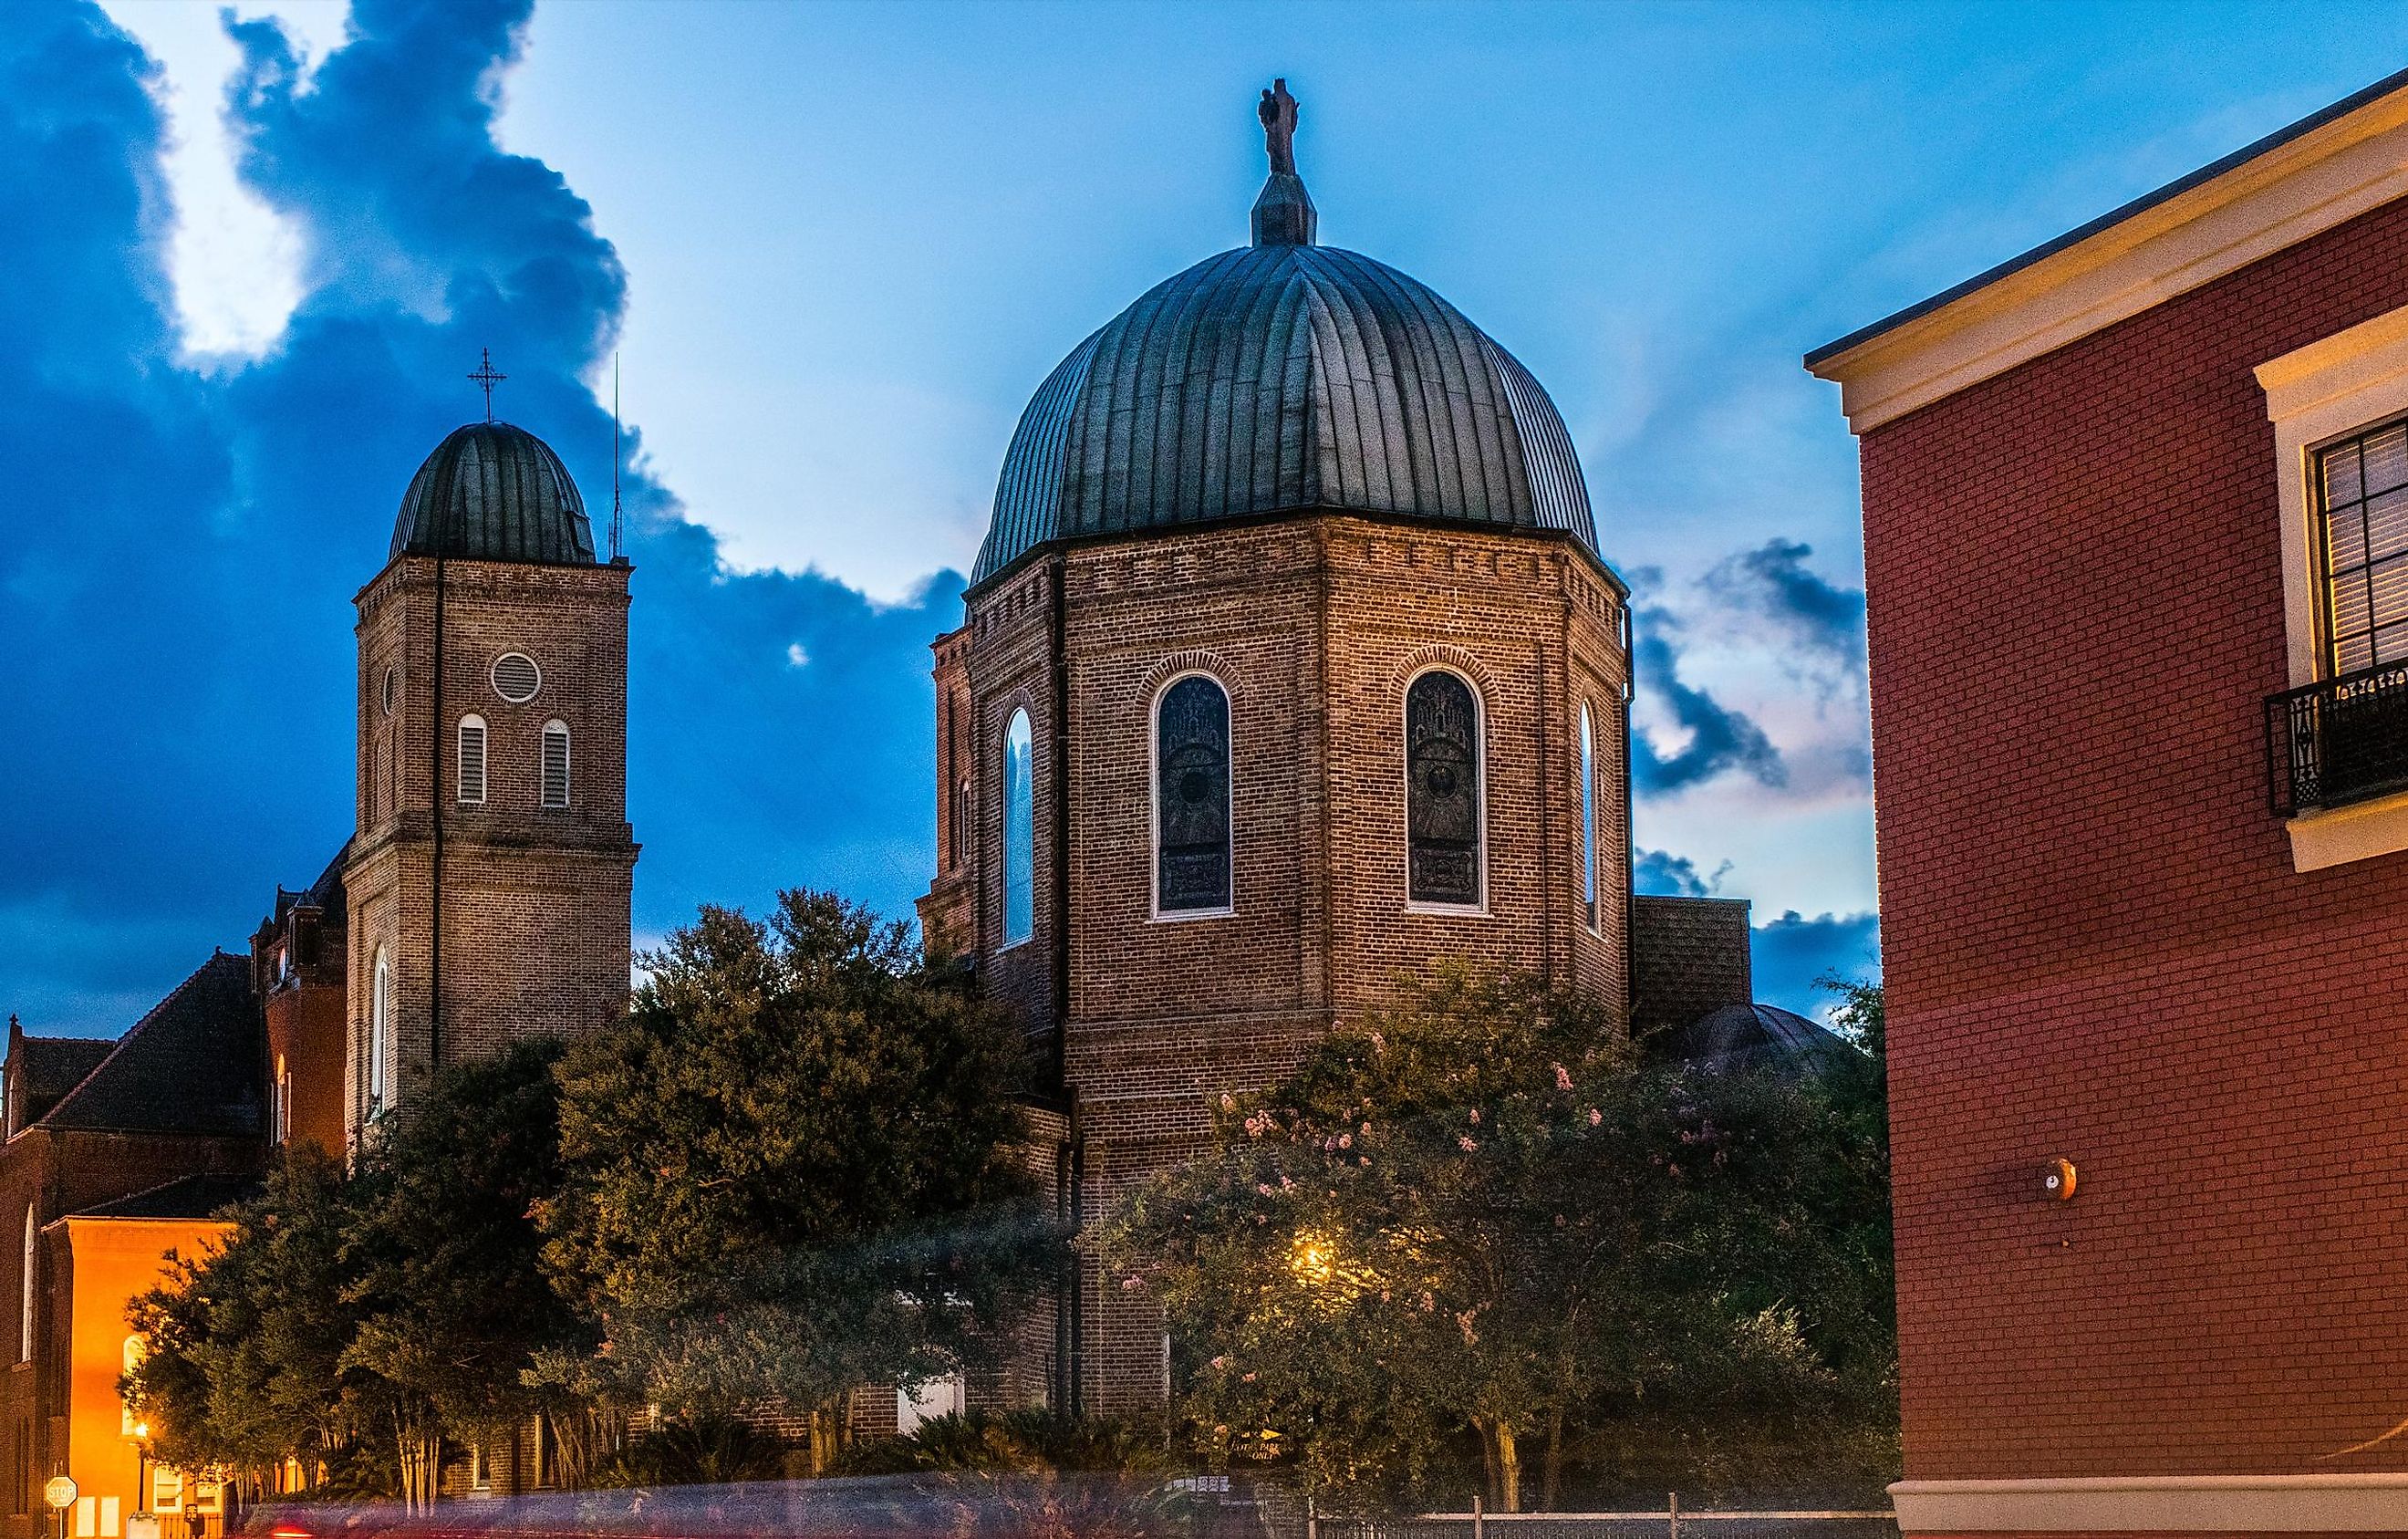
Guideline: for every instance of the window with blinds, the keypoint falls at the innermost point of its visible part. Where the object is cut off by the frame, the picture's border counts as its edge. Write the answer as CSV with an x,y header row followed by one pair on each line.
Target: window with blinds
x,y
472,760
2362,508
555,764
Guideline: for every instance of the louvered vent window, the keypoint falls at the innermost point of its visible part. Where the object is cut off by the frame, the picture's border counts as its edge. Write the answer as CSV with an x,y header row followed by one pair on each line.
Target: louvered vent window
x,y
472,760
2362,489
516,677
555,764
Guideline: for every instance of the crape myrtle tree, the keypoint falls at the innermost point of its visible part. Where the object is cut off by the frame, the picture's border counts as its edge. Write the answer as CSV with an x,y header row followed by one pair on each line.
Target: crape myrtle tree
x,y
358,1325
797,1170
1481,1209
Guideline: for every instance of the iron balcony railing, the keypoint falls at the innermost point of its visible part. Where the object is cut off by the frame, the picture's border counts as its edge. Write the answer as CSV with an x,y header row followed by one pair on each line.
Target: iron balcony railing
x,y
2337,741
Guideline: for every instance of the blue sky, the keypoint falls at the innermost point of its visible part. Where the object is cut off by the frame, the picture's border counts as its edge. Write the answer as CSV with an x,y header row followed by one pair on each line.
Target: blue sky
x,y
838,246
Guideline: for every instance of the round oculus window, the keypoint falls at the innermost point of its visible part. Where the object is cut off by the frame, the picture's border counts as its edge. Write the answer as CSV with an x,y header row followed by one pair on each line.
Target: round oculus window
x,y
516,677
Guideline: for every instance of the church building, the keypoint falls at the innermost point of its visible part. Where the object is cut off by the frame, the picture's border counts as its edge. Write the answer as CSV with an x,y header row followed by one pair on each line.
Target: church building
x,y
1289,668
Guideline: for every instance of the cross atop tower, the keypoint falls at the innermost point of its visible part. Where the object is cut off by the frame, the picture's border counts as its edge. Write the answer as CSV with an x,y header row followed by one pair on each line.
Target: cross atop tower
x,y
487,376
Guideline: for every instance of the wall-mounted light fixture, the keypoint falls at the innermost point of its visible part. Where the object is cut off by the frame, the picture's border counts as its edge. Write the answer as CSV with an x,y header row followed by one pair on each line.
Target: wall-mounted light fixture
x,y
2056,1181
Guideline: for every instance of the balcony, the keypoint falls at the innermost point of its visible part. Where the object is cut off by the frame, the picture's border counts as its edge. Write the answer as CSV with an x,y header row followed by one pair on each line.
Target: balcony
x,y
2338,742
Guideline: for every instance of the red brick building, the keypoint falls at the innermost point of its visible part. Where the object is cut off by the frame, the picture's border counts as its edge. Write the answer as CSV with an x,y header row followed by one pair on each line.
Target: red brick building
x,y
2141,771
1290,667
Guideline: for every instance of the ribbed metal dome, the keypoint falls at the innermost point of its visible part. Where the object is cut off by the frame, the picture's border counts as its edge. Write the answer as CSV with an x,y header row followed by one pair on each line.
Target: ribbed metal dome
x,y
1285,376
493,492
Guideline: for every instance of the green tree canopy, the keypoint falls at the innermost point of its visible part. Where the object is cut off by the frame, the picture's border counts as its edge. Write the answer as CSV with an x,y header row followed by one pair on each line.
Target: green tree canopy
x,y
796,1170
1480,1210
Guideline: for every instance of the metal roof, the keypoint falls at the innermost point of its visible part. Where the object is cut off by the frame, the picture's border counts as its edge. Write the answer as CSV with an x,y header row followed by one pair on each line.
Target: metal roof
x,y
495,491
1285,377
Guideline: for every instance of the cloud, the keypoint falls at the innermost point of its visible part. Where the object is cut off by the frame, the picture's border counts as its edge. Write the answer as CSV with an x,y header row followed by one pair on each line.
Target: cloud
x,y
1792,952
175,584
1659,873
1718,739
1772,584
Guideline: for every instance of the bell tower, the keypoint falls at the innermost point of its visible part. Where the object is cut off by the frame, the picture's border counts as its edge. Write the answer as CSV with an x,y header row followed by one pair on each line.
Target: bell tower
x,y
490,873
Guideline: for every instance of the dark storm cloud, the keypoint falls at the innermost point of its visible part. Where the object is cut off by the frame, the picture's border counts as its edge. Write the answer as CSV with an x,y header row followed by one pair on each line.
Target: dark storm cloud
x,y
1772,586
1719,739
1660,873
1792,952
180,549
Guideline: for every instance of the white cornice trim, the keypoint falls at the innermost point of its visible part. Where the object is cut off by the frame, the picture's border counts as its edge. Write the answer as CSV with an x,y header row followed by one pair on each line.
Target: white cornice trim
x,y
2210,1503
2296,190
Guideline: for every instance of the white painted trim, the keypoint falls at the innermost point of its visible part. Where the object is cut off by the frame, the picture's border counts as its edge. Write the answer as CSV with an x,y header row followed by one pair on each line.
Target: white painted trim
x,y
2212,1503
2287,195
1019,712
2333,388
1156,914
1479,785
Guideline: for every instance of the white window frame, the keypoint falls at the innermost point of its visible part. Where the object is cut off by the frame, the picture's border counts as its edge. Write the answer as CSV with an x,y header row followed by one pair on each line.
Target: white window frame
x,y
472,722
1479,785
2330,389
27,1263
494,677
1018,717
554,727
1154,798
1593,912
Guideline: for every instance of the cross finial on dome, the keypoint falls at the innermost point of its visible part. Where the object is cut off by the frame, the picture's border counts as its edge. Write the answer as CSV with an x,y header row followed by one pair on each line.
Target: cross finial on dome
x,y
488,376
1283,214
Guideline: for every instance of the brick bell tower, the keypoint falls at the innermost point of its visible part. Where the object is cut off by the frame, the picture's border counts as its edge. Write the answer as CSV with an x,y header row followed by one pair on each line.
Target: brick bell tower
x,y
490,874
1290,668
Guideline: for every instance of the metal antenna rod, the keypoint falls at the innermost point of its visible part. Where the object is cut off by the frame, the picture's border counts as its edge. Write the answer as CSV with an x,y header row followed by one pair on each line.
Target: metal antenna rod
x,y
616,455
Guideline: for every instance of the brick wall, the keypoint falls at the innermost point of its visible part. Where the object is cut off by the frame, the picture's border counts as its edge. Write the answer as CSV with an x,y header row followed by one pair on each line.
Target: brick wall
x,y
2094,942
1315,627
1687,956
536,901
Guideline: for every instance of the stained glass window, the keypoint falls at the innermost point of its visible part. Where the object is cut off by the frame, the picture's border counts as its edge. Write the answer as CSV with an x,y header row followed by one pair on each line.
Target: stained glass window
x,y
1191,806
1442,790
1019,831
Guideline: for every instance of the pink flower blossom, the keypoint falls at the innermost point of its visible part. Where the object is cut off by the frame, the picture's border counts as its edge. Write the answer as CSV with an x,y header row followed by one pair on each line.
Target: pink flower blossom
x,y
1466,1144
1595,1117
1364,1160
1563,1078
1286,1185
1346,1141
1475,1113
1219,1363
1429,1300
1132,1282
1379,1042
1264,1187
1249,1379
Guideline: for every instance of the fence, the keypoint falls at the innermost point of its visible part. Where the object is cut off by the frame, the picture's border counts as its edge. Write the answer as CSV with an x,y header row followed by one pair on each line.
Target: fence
x,y
1671,1521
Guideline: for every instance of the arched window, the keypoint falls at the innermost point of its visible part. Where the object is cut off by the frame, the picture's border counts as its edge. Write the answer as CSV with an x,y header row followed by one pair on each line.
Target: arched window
x,y
25,1293
1589,818
1019,831
1442,792
280,1124
380,1031
130,1357
555,764
472,760
1191,798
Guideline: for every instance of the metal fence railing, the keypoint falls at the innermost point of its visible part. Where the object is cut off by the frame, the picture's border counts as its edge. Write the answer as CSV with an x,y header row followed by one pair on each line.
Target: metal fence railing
x,y
1671,1521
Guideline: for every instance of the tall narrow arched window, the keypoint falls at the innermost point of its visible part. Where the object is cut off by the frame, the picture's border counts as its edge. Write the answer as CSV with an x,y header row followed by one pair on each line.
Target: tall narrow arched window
x,y
1019,831
472,760
130,1357
1589,818
555,764
1442,791
1191,798
380,1031
25,1293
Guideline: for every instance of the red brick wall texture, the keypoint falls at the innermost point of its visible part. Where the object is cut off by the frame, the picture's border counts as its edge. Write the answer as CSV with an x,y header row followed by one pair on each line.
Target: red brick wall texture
x,y
2095,945
1315,626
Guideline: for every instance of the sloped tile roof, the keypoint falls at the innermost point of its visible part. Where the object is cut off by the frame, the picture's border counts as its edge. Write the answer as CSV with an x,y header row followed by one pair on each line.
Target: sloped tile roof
x,y
193,1065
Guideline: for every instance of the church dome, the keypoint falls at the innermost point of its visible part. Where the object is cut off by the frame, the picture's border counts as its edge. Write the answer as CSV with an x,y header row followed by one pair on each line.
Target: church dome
x,y
1281,377
493,492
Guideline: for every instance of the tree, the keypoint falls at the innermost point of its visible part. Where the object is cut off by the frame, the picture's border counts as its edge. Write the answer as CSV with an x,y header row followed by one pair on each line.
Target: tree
x,y
797,1170
1480,1211
242,1363
451,1307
